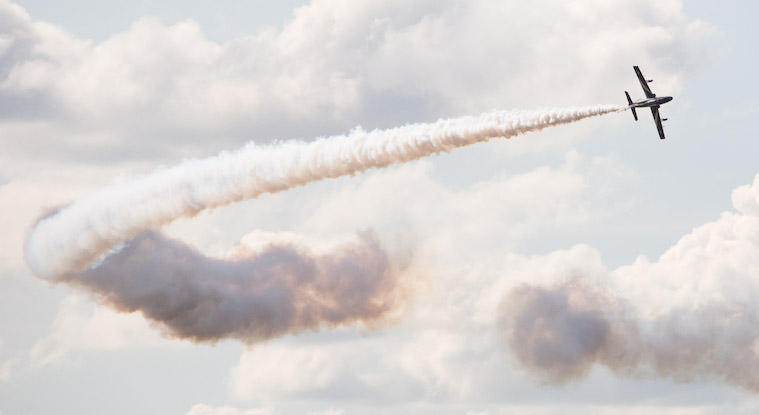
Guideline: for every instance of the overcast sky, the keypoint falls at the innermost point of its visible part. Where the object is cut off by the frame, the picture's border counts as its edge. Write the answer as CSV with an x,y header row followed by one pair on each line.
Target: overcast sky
x,y
651,246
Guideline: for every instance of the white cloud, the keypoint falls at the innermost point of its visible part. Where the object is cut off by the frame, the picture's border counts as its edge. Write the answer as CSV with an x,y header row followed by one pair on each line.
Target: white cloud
x,y
444,350
448,348
202,409
80,326
715,264
410,198
6,367
283,371
332,67
382,368
635,409
158,89
746,198
687,316
328,412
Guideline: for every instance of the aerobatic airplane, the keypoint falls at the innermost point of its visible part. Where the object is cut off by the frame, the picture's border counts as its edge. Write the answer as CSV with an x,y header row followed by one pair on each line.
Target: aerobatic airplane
x,y
651,101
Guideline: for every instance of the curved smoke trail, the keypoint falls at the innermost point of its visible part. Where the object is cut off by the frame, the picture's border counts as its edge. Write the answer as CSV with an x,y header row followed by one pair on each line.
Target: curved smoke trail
x,y
74,237
252,296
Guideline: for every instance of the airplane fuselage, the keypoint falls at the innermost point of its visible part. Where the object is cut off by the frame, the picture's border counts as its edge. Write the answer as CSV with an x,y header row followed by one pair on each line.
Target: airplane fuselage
x,y
651,102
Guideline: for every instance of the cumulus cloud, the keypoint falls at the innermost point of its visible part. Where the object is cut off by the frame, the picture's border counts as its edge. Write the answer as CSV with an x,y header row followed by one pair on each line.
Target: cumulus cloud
x,y
688,316
81,327
682,318
329,68
333,368
746,198
290,371
263,295
202,409
7,365
328,412
6,370
511,208
443,346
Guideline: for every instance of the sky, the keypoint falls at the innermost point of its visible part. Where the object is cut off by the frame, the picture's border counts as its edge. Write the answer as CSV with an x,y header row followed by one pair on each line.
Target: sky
x,y
588,267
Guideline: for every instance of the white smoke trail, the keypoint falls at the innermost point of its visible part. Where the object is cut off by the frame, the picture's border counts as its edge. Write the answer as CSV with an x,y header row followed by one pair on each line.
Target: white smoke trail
x,y
254,295
70,240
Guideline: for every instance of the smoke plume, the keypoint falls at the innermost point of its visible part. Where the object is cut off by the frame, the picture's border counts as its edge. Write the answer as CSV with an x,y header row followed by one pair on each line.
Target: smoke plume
x,y
107,243
251,296
77,235
691,315
560,332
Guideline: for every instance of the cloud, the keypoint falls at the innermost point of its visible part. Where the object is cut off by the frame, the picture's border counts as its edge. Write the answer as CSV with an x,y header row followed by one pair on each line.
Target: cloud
x,y
451,318
32,57
560,332
376,65
289,371
7,366
328,69
202,409
688,316
107,242
685,317
746,198
510,210
251,295
7,369
443,351
328,412
334,368
81,327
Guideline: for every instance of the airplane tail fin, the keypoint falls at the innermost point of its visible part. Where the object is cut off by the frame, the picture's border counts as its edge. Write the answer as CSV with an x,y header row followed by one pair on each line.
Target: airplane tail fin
x,y
630,103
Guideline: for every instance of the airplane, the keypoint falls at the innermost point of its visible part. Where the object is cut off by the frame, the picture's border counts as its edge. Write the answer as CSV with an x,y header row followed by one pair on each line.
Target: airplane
x,y
651,101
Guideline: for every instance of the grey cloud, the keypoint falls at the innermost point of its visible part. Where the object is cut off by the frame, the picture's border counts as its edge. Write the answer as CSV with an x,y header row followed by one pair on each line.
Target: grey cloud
x,y
253,296
20,47
194,296
690,315
560,332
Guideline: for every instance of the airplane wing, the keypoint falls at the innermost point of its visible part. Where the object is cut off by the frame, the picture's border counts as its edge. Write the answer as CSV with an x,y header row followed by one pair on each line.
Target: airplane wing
x,y
657,120
644,84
